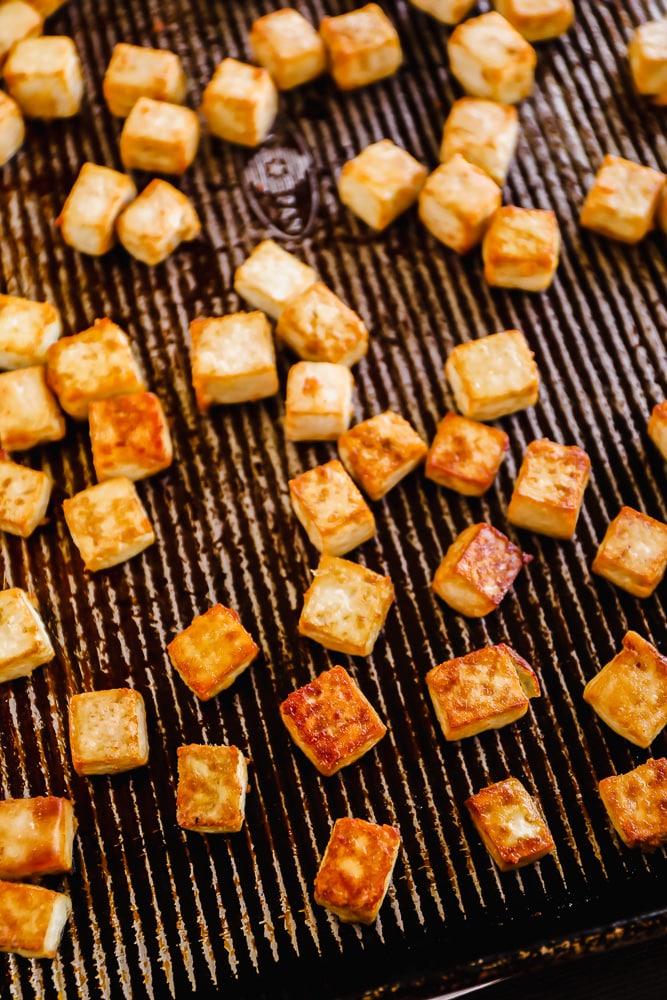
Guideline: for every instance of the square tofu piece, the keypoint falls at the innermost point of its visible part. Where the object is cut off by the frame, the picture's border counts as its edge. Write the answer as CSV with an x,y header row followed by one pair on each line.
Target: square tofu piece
x,y
108,523
18,20
493,376
159,137
233,359
510,822
36,837
647,55
458,202
380,452
537,20
212,651
318,326
29,412
27,330
490,59
286,44
129,436
136,71
240,103
157,222
212,786
12,128
318,401
32,919
271,275
477,570
362,46
381,183
88,217
24,641
24,497
44,77
331,509
484,132
356,869
657,427
107,731
345,606
636,803
446,11
549,489
623,200
633,552
465,455
332,721
521,248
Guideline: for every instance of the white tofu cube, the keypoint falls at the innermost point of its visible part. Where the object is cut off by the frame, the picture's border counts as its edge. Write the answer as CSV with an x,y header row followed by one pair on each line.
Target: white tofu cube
x,y
286,44
331,508
484,132
233,359
44,77
212,786
136,71
647,55
32,919
159,137
489,58
129,436
381,183
27,330
623,200
493,375
633,552
12,128
318,401
108,523
270,275
445,11
380,452
317,326
458,202
521,248
537,20
240,103
24,498
212,651
18,20
29,412
549,488
24,641
157,222
362,46
657,427
36,837
107,731
465,455
88,217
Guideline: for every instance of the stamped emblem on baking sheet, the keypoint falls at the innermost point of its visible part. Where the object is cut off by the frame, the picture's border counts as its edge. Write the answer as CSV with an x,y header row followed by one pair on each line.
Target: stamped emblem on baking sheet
x,y
281,187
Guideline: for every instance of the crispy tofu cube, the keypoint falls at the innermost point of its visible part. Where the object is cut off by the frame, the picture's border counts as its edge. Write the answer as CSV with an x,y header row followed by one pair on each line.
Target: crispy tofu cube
x,y
129,436
356,869
537,20
346,606
157,222
484,132
362,46
212,651
477,570
331,721
490,59
381,183
286,44
212,786
380,452
24,497
24,641
88,217
32,919
240,103
623,200
12,128
458,202
511,824
647,55
656,427
36,837
44,77
446,11
636,803
27,330
18,20
549,488
233,359
521,248
136,71
493,376
29,412
107,731
108,523
633,553
331,509
318,401
465,455
318,326
159,137
269,276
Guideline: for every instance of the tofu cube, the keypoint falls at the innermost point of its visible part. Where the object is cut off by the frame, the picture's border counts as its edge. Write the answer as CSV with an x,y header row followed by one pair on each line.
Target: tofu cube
x,y
647,56
633,553
88,217
381,183
157,222
549,488
136,71
29,412
27,330
346,606
318,401
493,375
269,276
317,326
12,128
458,202
129,436
623,200
24,641
362,46
656,427
537,20
286,44
212,651
445,11
159,137
32,919
490,59
380,452
331,721
484,132
44,77
636,803
477,570
465,455
510,823
521,248
18,20
240,103
24,497
108,523
36,837
212,786
356,869
107,731
331,509
233,359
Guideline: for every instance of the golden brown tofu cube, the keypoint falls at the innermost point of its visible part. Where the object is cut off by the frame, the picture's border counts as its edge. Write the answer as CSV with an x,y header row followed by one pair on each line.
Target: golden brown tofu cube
x,y
88,217
36,837
44,76
12,128
331,508
647,56
537,20
107,731
381,183
240,103
136,71
24,497
108,523
465,455
29,412
129,436
157,222
490,59
457,203
32,919
362,46
233,359
657,427
286,44
270,276
636,803
24,641
493,376
27,330
623,200
332,721
511,824
549,489
212,651
521,248
18,20
484,132
633,552
380,452
446,11
318,401
159,137
212,786
318,326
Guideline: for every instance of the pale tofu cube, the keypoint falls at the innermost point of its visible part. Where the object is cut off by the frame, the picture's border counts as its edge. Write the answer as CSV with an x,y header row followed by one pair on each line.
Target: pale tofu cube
x,y
270,276
318,326
318,401
24,641
44,77
157,222
381,183
493,376
549,488
159,137
633,553
362,46
380,452
129,436
331,509
108,523
484,132
18,20
537,20
240,103
465,455
27,330
286,44
12,128
510,823
490,59
136,71
647,55
107,731
521,248
212,651
29,412
24,498
623,200
445,11
233,359
657,427
32,919
458,202
636,803
36,837
88,217
212,787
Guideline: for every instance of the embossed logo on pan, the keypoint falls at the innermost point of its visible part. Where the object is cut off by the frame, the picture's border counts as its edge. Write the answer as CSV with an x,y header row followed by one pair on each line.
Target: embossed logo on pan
x,y
280,185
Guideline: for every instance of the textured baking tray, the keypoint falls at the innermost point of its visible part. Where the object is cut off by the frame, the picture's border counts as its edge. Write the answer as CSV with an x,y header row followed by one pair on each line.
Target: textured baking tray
x,y
158,912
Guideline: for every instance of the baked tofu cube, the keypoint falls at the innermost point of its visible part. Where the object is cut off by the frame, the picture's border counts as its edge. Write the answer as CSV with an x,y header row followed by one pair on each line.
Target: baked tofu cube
x,y
136,71
233,359
356,869
549,488
18,20
32,919
636,803
537,20
477,570
157,222
212,651
362,46
623,200
108,523
381,183
44,77
331,721
240,103
458,202
346,606
318,326
129,436
286,44
647,55
510,823
27,330
521,248
446,11
88,217
490,59
159,137
12,128
29,412
36,837
493,376
633,552
380,452
24,497
212,786
107,731
657,427
331,509
270,275
24,641
465,455
484,132
318,401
